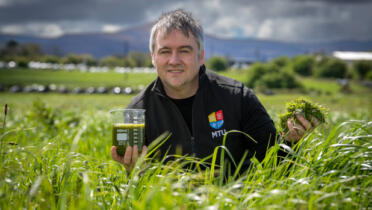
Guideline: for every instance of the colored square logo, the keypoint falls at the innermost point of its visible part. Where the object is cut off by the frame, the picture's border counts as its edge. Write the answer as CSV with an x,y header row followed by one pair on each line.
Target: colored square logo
x,y
219,115
212,117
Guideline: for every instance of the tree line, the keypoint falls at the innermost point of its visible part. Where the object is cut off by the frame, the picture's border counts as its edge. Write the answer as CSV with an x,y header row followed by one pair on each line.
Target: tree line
x,y
23,53
281,72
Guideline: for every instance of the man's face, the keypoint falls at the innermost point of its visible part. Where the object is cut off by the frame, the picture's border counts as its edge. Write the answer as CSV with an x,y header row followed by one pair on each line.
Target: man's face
x,y
177,61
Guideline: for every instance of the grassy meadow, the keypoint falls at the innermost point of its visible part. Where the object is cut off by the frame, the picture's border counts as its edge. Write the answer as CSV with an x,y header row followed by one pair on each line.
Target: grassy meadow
x,y
73,78
55,155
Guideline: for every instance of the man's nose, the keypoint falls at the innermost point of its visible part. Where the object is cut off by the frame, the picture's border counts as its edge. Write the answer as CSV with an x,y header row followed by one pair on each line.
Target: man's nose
x,y
174,59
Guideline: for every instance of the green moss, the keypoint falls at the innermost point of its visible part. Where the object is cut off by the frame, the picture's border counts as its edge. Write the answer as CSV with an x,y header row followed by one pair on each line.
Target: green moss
x,y
304,107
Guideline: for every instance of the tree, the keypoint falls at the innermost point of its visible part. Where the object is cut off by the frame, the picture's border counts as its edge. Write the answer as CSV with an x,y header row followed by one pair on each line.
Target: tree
x,y
31,51
10,50
303,65
217,63
88,60
369,76
112,61
363,68
140,59
257,70
270,75
281,61
129,62
331,68
79,58
50,59
282,79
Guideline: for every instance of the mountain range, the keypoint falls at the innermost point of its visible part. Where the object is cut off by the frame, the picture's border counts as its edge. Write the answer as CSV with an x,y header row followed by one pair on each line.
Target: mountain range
x,y
136,39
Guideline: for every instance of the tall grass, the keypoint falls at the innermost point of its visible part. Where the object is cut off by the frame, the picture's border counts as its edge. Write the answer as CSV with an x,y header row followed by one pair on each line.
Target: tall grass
x,y
53,159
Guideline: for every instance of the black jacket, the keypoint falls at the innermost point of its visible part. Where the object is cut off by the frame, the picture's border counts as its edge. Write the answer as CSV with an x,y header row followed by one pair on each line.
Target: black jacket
x,y
221,104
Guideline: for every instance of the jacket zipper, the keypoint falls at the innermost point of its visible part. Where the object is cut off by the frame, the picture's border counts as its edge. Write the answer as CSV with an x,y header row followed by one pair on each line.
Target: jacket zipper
x,y
193,150
192,138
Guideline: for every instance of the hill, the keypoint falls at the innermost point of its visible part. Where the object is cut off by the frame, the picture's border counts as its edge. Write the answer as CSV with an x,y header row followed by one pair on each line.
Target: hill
x,y
136,39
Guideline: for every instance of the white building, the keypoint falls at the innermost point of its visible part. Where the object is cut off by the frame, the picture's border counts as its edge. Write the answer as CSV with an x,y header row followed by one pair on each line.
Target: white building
x,y
351,57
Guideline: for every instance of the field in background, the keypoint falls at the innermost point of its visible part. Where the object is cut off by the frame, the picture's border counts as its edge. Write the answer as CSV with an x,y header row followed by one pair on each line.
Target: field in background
x,y
73,79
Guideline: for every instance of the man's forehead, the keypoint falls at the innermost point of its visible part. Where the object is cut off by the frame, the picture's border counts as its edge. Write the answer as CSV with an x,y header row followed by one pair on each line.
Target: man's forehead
x,y
163,33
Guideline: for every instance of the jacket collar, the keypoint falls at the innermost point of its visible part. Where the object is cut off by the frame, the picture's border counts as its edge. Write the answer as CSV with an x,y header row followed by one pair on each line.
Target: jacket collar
x,y
158,87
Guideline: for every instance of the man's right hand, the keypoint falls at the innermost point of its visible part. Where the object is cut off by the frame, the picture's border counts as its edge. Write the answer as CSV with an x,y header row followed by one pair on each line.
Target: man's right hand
x,y
130,157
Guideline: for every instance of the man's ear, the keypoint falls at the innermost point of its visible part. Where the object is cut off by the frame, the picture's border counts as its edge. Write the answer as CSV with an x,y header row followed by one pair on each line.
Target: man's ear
x,y
153,59
201,57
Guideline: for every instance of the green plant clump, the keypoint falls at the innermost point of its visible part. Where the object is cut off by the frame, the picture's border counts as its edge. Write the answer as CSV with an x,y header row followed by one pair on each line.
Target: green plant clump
x,y
304,107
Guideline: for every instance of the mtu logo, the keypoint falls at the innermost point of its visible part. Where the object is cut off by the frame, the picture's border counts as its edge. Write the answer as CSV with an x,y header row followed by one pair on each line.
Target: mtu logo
x,y
216,119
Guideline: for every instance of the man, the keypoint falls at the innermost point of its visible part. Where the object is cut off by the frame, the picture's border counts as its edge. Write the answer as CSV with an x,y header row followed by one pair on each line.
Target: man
x,y
196,105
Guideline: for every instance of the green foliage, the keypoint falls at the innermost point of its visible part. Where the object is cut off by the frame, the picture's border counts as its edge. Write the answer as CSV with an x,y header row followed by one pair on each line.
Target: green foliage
x,y
51,119
112,61
78,59
363,68
301,106
50,59
331,68
217,63
138,59
281,79
281,61
31,51
21,61
270,76
303,65
133,59
70,168
369,76
13,49
257,70
128,62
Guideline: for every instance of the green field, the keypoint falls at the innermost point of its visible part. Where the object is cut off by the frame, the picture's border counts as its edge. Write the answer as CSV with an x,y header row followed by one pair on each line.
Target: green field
x,y
55,155
72,79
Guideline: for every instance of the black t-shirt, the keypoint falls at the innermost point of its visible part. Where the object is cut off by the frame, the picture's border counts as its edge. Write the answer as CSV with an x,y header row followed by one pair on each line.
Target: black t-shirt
x,y
185,107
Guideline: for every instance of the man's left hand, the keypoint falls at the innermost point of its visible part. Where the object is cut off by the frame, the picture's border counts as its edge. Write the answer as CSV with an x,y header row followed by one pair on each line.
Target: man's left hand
x,y
298,130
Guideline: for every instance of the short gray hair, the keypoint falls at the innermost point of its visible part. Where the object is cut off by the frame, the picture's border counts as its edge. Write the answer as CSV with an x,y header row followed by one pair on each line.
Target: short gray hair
x,y
177,20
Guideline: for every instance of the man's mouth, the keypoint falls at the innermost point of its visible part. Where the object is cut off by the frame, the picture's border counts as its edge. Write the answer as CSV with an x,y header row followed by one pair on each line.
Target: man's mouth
x,y
175,71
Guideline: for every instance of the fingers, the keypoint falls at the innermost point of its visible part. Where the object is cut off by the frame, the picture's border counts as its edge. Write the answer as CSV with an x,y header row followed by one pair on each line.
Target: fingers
x,y
144,150
291,132
305,123
134,155
115,156
315,121
128,157
295,132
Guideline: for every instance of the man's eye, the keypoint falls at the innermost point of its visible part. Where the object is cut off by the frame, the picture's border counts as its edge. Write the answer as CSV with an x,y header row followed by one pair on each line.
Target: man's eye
x,y
185,51
164,52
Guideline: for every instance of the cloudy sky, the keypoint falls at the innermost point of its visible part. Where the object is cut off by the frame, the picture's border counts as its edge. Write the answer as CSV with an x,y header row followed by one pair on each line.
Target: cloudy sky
x,y
287,20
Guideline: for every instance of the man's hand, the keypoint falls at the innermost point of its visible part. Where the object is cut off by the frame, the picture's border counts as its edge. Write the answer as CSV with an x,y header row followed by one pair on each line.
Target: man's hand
x,y
130,157
296,130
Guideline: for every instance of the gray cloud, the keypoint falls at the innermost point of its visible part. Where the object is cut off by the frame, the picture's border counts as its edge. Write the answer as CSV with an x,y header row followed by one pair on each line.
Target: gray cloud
x,y
288,20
